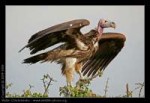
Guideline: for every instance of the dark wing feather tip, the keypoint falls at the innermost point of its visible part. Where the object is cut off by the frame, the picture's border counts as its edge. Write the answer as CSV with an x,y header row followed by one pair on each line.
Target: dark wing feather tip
x,y
56,31
110,45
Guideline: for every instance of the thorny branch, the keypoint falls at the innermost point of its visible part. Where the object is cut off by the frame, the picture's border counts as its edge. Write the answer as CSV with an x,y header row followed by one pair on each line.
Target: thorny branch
x,y
106,87
99,73
47,84
88,80
141,85
129,93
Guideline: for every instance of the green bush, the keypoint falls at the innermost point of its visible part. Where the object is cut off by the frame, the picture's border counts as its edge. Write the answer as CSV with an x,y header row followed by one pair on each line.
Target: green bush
x,y
28,93
80,90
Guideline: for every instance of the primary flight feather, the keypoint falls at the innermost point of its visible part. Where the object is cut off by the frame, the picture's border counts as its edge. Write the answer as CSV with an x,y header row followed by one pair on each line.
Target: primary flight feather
x,y
83,53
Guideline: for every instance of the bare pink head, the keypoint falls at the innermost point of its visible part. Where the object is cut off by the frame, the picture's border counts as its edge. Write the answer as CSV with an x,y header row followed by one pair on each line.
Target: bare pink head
x,y
104,24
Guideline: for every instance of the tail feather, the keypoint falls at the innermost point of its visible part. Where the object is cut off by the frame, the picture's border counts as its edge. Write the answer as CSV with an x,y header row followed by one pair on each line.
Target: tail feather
x,y
52,55
36,58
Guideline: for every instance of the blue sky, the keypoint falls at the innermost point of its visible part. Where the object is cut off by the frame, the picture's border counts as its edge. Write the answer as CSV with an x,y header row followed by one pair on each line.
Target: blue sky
x,y
24,21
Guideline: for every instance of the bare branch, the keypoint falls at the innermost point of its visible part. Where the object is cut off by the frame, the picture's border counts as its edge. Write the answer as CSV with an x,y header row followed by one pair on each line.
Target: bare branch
x,y
46,86
127,90
99,73
141,85
106,87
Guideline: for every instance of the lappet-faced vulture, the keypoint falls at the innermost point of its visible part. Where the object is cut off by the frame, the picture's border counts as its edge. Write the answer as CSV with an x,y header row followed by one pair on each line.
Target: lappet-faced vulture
x,y
84,53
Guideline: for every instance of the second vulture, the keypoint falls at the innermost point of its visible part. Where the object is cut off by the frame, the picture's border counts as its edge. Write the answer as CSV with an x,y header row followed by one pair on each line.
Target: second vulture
x,y
84,53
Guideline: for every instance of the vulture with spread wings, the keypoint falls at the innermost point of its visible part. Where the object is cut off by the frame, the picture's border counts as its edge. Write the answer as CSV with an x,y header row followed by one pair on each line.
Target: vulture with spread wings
x,y
84,53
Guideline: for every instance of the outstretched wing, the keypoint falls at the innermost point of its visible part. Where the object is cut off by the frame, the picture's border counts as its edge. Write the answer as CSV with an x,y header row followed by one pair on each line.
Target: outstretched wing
x,y
51,55
110,45
65,32
57,55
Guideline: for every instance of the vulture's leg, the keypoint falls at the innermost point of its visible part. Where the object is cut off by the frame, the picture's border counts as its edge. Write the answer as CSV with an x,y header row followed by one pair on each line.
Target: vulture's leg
x,y
69,69
69,75
78,68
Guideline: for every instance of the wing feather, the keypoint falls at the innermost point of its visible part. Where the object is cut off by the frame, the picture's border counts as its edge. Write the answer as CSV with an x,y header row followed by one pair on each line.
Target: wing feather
x,y
109,46
52,55
55,34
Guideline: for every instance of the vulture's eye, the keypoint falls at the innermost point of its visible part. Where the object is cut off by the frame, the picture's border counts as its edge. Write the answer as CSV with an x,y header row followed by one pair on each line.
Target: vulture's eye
x,y
105,21
113,23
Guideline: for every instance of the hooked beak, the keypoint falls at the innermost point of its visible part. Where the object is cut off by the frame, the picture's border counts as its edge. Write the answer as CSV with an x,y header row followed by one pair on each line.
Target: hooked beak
x,y
113,25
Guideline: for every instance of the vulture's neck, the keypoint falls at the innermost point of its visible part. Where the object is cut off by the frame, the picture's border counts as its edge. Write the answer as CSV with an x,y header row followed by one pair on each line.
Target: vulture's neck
x,y
100,31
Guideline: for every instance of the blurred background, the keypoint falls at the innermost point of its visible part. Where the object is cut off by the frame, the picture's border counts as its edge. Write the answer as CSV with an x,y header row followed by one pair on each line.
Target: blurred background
x,y
23,21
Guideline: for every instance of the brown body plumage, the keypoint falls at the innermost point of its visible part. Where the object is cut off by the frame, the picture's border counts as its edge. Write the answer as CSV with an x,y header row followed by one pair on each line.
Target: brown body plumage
x,y
90,52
